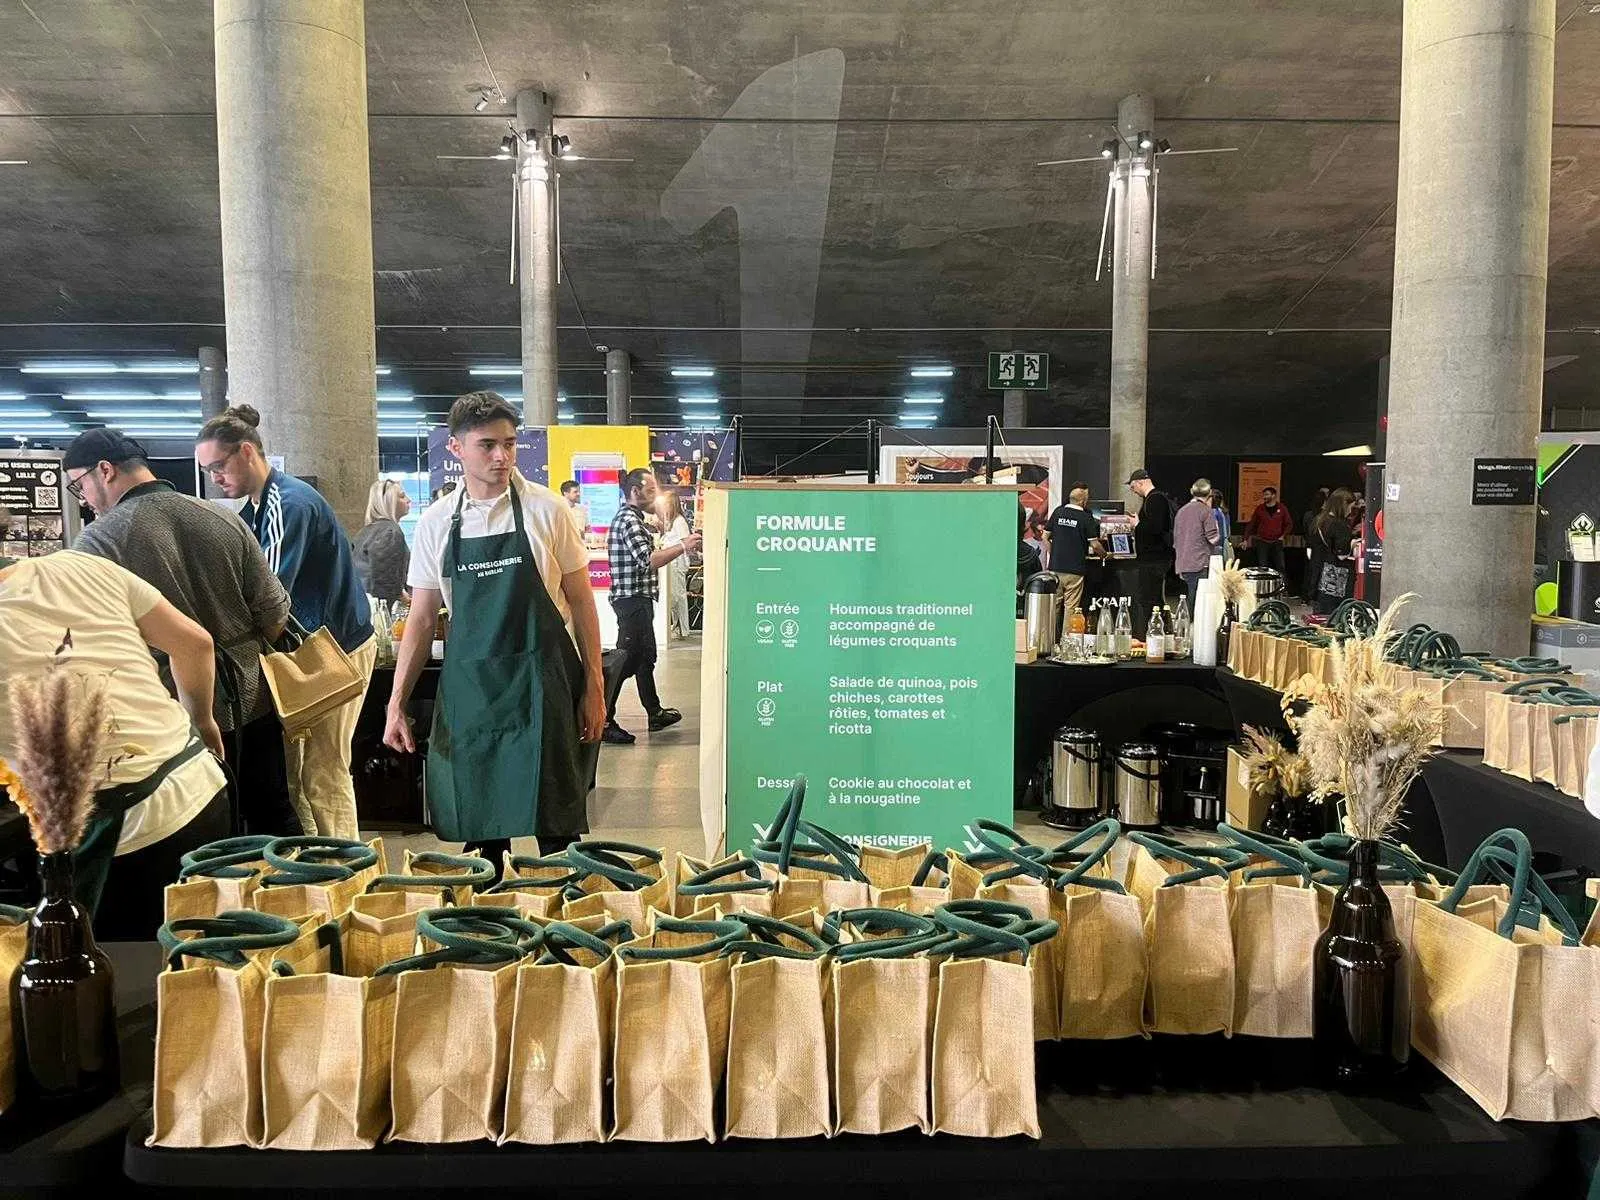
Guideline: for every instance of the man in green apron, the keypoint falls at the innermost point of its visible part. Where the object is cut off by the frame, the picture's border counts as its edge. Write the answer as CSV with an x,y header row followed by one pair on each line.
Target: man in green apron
x,y
518,715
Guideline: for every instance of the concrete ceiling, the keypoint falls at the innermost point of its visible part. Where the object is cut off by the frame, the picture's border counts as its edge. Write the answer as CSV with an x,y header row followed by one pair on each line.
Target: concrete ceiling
x,y
938,238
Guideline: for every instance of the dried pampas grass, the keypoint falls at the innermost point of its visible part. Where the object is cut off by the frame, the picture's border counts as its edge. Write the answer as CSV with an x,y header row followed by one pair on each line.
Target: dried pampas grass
x,y
58,751
1365,739
1231,583
1273,769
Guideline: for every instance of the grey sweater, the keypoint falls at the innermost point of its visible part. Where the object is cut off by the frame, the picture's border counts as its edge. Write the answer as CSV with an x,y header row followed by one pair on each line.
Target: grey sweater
x,y
383,559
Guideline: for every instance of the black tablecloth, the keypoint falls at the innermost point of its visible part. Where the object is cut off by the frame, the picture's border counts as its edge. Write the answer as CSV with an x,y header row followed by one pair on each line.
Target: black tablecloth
x,y
43,1150
1253,704
1474,800
1118,702
1170,1117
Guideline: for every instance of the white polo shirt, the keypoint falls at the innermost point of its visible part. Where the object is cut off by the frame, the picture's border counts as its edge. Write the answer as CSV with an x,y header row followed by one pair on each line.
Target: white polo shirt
x,y
557,548
100,605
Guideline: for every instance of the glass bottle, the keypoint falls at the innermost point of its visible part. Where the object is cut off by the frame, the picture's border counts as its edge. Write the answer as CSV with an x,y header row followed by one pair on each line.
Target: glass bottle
x,y
63,999
1230,614
1182,629
1155,637
382,628
1167,623
1105,633
1124,631
1360,1030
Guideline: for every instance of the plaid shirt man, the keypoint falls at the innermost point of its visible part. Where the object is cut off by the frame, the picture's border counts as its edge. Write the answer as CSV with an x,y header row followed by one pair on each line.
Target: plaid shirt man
x,y
629,546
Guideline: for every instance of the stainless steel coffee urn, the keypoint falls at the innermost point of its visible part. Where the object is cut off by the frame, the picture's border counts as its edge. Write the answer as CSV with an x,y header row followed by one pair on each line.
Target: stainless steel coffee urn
x,y
1138,784
1076,779
1039,612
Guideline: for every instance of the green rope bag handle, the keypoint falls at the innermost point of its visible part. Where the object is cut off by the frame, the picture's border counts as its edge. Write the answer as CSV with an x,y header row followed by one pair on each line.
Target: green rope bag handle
x,y
1461,668
470,871
484,953
721,935
900,947
1280,850
875,921
933,860
1527,686
1354,617
225,938
1329,855
1565,717
1103,834
560,937
988,927
1215,862
771,931
554,883
1277,610
319,860
224,859
1507,857
1434,645
604,858
846,853
10,914
468,926
786,822
1016,854
741,875
1399,648
1024,858
1529,665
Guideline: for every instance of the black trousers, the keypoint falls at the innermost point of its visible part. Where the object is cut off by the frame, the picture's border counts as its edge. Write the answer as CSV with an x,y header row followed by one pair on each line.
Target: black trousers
x,y
1270,554
131,907
254,753
1152,591
636,644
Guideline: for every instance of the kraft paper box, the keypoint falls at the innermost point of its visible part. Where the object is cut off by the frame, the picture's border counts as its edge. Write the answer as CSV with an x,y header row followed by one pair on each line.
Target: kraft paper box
x,y
1246,810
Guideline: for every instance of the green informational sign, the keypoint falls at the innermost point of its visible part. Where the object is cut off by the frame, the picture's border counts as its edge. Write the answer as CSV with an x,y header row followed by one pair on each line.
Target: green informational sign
x,y
871,638
1017,370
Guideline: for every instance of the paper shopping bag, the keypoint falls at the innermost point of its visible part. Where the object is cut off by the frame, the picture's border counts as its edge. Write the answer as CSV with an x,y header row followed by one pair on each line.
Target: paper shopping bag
x,y
982,1078
1043,970
779,1032
1104,965
326,1046
883,1011
671,1046
1188,934
1275,928
13,948
561,1035
210,1008
446,879
620,881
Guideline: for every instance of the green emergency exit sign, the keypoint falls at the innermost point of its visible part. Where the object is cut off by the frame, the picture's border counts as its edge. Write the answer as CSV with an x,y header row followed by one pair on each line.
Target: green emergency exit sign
x,y
1025,371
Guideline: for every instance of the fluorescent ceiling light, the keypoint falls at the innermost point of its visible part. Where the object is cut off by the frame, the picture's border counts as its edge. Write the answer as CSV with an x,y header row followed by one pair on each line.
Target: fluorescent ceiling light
x,y
502,371
37,429
932,372
135,414
924,399
167,368
7,397
1349,452
693,372
173,367
383,370
148,397
28,414
688,400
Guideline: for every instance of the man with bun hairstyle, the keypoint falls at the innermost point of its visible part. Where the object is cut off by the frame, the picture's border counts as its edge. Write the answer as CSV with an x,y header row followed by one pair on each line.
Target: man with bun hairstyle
x,y
310,554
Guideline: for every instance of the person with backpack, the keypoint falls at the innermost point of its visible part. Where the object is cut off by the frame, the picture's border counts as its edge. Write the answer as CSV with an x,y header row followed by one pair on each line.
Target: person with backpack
x,y
1153,538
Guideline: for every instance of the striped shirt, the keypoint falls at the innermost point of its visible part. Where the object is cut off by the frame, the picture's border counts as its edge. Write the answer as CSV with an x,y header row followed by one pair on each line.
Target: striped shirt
x,y
310,554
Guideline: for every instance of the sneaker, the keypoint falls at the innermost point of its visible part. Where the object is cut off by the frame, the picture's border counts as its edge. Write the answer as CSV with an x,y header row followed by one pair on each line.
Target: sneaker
x,y
664,718
616,735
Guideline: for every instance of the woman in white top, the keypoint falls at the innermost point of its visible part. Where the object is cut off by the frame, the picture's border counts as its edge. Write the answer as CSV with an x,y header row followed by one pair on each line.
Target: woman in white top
x,y
674,529
162,791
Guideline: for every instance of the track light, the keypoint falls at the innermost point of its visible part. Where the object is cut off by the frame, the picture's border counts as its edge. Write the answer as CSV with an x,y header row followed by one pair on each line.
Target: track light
x,y
508,146
1162,145
559,144
481,103
1108,149
1145,140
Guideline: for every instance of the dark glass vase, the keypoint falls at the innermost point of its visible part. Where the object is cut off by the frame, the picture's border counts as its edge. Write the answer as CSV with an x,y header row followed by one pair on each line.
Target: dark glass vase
x,y
1299,817
63,998
1361,1028
1230,614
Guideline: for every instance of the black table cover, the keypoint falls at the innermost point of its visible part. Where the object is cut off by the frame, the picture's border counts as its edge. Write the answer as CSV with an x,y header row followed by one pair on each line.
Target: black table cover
x,y
1474,800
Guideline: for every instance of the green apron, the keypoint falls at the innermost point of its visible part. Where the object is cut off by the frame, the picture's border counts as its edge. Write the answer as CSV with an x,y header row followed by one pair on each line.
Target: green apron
x,y
504,759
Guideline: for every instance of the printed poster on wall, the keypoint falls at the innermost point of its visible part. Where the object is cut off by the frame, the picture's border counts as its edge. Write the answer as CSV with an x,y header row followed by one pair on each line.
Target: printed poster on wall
x,y
1036,469
856,658
533,457
32,491
1253,476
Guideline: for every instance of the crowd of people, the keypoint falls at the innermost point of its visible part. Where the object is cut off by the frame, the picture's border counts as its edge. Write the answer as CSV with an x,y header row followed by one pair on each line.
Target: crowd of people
x,y
166,603
1181,540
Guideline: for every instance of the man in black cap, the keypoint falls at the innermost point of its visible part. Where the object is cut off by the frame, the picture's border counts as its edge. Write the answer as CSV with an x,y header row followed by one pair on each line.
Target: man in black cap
x,y
208,566
1153,537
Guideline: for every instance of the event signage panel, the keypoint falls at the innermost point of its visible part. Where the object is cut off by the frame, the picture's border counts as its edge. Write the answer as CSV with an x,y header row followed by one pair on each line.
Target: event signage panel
x,y
862,656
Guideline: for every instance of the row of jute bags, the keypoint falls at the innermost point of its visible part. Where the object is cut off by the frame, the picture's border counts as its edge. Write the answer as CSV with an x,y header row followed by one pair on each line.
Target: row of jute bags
x,y
1542,730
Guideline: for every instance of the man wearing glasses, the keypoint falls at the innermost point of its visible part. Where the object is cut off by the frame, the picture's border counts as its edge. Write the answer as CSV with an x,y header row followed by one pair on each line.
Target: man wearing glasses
x,y
206,564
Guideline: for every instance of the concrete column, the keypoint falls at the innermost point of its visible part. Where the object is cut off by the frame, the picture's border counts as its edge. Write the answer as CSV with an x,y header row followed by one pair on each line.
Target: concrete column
x,y
213,382
619,387
1014,412
1130,289
536,258
297,235
1466,350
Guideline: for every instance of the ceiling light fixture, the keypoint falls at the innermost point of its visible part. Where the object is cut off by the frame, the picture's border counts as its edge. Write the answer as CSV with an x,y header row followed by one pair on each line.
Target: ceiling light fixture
x,y
1146,142
152,397
1349,452
932,372
26,414
508,146
924,399
501,371
136,414
1162,145
1108,149
692,400
382,370
481,103
693,372
560,143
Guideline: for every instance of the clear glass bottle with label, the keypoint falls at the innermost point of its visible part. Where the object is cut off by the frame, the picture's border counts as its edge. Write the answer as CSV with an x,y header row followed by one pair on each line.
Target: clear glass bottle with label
x,y
1124,631
1105,633
1155,637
